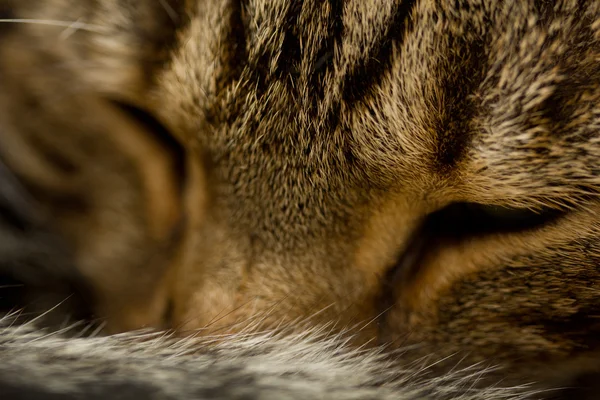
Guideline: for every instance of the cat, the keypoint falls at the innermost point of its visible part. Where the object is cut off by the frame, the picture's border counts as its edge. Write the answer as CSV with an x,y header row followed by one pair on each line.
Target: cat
x,y
416,178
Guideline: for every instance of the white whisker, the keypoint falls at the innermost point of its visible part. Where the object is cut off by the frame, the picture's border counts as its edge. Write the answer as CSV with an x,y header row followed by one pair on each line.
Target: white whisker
x,y
169,10
70,25
74,27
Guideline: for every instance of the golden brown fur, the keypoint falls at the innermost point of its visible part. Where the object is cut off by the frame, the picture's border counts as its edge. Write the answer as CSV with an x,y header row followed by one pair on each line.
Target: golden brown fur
x,y
422,172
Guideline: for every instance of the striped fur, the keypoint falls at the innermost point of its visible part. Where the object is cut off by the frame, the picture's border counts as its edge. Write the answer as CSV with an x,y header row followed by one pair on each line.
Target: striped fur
x,y
417,174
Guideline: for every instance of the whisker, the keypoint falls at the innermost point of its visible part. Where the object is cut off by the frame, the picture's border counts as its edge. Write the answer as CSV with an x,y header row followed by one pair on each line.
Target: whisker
x,y
42,315
73,25
71,29
11,286
169,10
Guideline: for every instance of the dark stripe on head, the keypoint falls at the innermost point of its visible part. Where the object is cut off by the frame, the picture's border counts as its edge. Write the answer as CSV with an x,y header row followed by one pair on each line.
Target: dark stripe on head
x,y
579,79
289,61
323,61
453,124
370,69
234,46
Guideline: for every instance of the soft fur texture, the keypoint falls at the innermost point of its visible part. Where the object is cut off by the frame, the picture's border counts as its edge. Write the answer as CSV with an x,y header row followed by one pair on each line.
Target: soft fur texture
x,y
311,365
418,174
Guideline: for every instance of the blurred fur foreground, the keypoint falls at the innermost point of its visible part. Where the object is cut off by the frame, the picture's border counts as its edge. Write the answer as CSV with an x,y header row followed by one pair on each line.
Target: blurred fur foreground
x,y
314,365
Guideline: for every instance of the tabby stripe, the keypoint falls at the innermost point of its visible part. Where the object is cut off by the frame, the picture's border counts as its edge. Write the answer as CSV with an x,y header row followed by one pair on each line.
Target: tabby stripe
x,y
369,70
323,61
453,123
235,46
291,56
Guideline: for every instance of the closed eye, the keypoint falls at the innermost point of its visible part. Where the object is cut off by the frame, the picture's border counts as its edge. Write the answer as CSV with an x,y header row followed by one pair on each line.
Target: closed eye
x,y
161,134
455,223
472,219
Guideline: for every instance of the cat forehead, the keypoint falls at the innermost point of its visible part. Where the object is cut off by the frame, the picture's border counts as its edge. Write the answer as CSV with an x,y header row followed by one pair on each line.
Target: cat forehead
x,y
434,96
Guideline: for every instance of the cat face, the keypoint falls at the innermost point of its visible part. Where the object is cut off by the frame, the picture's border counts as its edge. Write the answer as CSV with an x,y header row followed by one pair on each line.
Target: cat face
x,y
417,174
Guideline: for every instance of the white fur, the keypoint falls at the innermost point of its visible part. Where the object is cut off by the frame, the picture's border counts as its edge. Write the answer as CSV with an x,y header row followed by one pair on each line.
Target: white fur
x,y
313,364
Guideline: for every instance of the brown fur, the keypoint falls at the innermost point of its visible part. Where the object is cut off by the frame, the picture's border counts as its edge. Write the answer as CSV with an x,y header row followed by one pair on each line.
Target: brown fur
x,y
324,143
